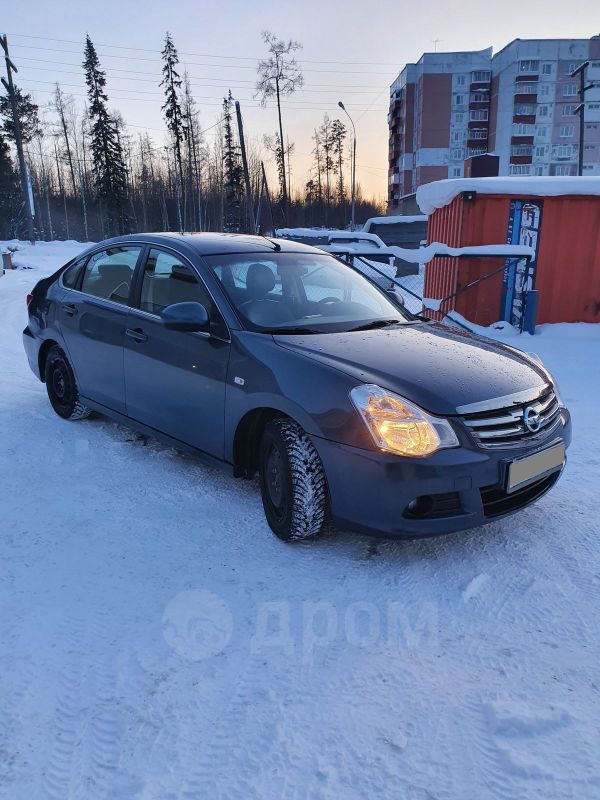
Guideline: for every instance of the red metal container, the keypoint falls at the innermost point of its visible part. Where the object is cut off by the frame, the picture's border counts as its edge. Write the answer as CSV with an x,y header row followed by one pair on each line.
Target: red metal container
x,y
567,272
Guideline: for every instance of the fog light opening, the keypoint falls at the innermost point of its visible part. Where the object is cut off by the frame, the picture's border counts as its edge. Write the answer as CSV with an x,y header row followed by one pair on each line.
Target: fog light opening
x,y
420,506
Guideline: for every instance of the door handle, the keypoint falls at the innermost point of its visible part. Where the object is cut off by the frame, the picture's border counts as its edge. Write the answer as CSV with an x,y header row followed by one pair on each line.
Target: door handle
x,y
70,309
137,334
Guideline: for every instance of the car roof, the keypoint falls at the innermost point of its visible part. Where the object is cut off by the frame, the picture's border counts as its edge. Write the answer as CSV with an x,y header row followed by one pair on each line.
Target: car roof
x,y
205,244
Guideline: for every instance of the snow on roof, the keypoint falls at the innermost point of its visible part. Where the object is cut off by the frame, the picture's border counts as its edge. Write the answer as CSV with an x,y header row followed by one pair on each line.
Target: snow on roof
x,y
393,220
440,193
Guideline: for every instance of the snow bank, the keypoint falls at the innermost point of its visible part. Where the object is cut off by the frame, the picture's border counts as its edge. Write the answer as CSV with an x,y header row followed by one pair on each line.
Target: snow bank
x,y
440,193
397,219
426,254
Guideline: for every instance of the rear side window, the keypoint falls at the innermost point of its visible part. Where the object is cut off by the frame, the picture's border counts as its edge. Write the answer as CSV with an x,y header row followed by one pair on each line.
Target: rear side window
x,y
109,273
70,277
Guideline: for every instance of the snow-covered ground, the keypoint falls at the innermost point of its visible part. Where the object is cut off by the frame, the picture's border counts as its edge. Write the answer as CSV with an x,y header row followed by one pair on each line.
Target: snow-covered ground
x,y
157,642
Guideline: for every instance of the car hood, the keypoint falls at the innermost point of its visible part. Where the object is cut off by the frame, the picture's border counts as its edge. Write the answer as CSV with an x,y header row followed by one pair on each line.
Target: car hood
x,y
436,367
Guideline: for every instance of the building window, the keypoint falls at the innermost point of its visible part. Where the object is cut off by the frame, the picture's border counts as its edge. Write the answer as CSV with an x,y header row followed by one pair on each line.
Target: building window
x,y
544,89
459,99
547,69
564,151
562,169
541,131
543,111
521,150
571,68
479,98
479,116
478,133
457,154
457,137
460,80
526,87
525,109
568,111
570,89
567,131
538,169
455,172
477,151
522,129
520,169
540,152
529,66
480,76
593,106
458,118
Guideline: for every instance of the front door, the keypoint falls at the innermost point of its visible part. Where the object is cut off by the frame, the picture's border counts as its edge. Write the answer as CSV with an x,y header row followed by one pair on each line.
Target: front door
x,y
175,381
92,319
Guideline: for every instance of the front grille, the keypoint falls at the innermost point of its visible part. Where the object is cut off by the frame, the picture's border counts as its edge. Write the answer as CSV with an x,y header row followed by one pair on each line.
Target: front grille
x,y
497,502
505,426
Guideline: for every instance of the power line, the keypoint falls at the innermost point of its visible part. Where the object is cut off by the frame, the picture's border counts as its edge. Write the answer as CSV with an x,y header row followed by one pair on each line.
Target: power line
x,y
289,105
225,83
202,55
193,63
157,95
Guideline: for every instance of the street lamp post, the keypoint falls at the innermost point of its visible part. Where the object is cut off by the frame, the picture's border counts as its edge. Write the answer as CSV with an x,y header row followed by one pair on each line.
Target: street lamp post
x,y
352,221
581,110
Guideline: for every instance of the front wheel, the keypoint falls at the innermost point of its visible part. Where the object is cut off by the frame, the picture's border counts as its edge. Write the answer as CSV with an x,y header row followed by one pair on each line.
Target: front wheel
x,y
62,387
292,481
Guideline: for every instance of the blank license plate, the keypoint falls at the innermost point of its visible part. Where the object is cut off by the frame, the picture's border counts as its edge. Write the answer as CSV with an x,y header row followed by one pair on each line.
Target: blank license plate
x,y
526,469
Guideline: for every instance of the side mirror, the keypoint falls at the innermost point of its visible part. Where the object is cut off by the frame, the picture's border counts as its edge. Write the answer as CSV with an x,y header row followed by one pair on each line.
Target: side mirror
x,y
191,317
396,298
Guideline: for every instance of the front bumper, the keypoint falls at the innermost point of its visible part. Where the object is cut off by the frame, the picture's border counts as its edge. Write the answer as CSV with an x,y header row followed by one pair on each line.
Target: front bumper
x,y
370,490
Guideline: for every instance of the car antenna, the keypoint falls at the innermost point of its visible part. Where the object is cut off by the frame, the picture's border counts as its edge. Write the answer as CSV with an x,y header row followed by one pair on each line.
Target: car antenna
x,y
276,245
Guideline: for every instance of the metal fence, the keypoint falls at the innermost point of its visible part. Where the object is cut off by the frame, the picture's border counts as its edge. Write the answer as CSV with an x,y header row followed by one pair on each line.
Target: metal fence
x,y
482,289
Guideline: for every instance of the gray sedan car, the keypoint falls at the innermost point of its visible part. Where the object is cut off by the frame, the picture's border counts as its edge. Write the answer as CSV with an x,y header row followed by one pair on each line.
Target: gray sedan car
x,y
271,357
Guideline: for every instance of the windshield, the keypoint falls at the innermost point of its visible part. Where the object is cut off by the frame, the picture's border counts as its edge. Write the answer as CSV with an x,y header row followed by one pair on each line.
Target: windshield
x,y
301,293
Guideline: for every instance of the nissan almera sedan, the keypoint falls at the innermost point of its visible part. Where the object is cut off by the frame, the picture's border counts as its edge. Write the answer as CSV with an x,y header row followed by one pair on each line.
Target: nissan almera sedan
x,y
272,357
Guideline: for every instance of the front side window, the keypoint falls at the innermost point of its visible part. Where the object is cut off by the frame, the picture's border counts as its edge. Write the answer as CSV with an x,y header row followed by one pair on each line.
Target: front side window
x,y
109,273
167,279
299,292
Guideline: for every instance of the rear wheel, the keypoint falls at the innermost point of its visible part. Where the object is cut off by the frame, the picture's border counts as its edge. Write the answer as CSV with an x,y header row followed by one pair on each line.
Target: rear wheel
x,y
62,387
292,481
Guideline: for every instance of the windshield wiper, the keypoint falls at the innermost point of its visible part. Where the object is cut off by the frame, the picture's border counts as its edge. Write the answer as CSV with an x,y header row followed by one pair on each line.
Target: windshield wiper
x,y
376,323
292,330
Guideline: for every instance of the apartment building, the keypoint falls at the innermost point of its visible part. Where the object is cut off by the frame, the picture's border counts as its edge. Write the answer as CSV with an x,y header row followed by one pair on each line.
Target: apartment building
x,y
519,104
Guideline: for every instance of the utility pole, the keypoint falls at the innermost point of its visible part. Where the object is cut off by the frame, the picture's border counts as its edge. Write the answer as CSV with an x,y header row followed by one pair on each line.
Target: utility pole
x,y
580,110
10,88
249,198
268,196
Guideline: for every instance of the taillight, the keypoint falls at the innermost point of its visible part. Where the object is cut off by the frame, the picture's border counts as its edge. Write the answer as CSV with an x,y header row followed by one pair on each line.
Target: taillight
x,y
28,299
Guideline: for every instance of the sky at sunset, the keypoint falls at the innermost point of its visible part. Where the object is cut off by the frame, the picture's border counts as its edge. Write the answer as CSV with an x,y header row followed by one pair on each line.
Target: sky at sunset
x,y
351,51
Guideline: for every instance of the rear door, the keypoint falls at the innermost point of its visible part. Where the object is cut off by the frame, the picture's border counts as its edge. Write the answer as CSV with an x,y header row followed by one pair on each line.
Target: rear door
x,y
175,381
92,316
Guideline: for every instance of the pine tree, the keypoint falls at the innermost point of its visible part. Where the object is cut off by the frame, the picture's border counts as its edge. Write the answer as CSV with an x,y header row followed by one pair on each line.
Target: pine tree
x,y
9,193
28,117
108,162
173,114
232,172
338,135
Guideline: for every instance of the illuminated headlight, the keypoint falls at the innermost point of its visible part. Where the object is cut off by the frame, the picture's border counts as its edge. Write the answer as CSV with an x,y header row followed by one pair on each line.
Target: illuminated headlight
x,y
398,426
550,377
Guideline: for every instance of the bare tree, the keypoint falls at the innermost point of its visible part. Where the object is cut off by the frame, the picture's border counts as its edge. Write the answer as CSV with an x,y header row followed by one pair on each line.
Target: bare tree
x,y
279,75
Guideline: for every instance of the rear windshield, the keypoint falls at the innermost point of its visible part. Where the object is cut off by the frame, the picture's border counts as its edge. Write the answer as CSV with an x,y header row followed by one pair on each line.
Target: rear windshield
x,y
282,292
